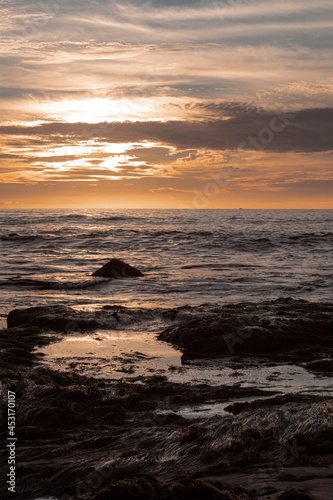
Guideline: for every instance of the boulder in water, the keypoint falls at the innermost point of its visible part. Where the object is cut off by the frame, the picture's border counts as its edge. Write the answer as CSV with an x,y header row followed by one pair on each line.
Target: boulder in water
x,y
117,269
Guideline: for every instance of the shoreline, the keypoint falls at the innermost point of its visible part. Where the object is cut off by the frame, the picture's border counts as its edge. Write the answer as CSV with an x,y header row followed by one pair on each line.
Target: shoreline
x,y
90,438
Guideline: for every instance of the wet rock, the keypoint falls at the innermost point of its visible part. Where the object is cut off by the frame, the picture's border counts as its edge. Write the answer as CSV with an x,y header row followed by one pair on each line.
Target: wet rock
x,y
151,489
78,434
293,494
57,318
108,439
288,328
17,346
117,269
320,365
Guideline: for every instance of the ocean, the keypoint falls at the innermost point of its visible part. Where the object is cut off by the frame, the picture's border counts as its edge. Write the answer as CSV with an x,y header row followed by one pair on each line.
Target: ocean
x,y
187,257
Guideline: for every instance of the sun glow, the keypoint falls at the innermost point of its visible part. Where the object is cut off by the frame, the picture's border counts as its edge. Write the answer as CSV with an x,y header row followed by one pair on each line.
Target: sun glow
x,y
96,110
113,163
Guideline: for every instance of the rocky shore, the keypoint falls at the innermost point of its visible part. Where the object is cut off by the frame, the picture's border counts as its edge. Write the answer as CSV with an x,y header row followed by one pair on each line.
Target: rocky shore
x,y
82,437
284,329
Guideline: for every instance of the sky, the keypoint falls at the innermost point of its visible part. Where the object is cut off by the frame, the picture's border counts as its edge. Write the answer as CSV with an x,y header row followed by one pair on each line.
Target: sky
x,y
166,104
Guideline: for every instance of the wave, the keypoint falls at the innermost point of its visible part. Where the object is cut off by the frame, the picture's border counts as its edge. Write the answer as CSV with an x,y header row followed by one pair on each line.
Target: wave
x,y
49,284
221,267
198,266
308,239
20,237
97,219
315,235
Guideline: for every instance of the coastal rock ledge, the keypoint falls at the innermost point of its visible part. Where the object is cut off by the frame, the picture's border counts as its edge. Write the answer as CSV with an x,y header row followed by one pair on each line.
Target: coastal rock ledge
x,y
117,269
287,328
57,318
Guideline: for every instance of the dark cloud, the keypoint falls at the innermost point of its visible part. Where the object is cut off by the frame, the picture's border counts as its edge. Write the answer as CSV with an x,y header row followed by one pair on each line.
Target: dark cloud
x,y
308,130
309,187
5,156
227,109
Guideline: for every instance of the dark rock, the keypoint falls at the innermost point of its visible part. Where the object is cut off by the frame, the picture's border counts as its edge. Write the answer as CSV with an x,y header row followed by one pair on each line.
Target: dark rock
x,y
56,318
293,494
150,488
117,269
108,439
82,435
320,365
299,330
276,401
17,347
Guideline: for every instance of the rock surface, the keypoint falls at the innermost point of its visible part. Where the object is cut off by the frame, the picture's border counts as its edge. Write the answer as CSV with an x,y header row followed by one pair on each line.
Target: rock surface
x,y
148,488
107,440
56,318
320,365
117,269
285,327
80,437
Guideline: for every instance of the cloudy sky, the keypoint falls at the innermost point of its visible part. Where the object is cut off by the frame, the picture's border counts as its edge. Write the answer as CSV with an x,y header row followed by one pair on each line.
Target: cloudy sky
x,y
179,104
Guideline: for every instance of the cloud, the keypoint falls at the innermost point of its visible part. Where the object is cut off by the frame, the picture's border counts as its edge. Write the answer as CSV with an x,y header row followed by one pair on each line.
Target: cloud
x,y
307,130
222,109
261,22
313,187
161,155
191,87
